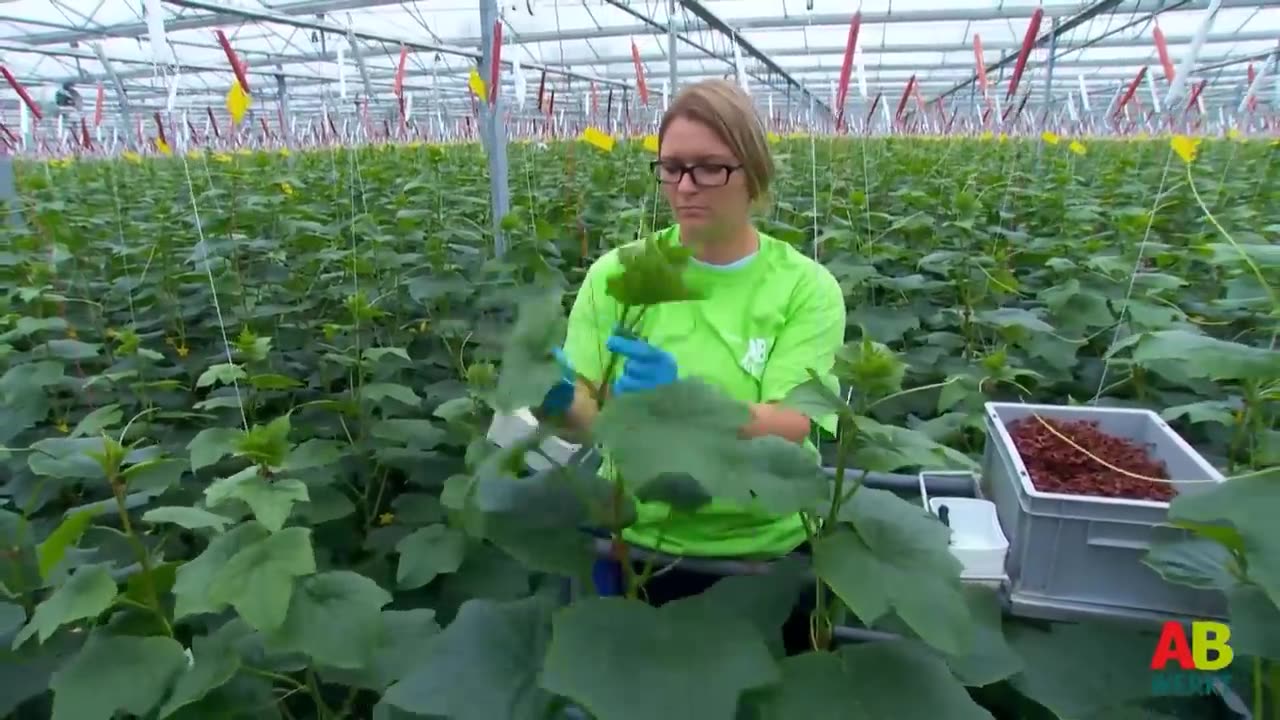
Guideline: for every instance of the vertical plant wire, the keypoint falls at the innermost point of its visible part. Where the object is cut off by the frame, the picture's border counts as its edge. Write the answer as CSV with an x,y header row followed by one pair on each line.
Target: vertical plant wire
x,y
213,288
1133,277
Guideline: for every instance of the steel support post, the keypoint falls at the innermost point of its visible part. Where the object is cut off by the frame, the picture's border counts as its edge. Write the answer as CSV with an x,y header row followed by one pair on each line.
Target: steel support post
x,y
671,47
9,193
282,96
1048,80
493,132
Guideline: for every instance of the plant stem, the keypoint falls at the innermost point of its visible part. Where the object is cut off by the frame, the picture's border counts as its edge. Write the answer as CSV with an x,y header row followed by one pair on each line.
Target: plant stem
x,y
322,710
1257,687
274,677
144,557
1274,683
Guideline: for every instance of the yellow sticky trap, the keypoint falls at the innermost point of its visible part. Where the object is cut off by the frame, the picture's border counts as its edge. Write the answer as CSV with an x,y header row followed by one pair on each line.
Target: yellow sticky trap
x,y
774,137
163,147
1050,137
599,139
477,85
238,102
1076,147
651,143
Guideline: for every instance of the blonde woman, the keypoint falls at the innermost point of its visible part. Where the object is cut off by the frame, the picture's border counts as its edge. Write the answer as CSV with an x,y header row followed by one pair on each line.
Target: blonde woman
x,y
768,314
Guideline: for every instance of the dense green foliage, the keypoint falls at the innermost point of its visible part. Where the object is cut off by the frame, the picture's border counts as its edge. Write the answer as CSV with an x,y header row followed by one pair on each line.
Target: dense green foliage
x,y
244,399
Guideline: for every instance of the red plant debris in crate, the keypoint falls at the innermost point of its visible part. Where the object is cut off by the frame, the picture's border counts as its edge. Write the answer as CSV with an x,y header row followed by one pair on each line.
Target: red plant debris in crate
x,y
1057,467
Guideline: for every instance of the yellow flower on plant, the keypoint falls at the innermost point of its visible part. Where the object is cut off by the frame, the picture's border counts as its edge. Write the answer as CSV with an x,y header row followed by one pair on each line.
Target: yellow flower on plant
x,y
1234,134
182,350
63,427
221,157
287,188
284,152
71,333
386,518
195,154
1076,147
131,156
1186,147
1050,137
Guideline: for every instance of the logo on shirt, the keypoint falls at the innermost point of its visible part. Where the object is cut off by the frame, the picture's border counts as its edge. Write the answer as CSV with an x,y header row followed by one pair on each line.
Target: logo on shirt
x,y
754,359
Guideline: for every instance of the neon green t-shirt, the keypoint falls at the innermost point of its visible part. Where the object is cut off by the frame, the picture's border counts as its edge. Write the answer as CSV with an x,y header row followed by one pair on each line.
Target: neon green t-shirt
x,y
763,322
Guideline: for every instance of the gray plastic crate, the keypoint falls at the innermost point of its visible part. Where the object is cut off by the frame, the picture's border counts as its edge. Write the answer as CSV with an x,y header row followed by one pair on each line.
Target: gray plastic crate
x,y
1071,554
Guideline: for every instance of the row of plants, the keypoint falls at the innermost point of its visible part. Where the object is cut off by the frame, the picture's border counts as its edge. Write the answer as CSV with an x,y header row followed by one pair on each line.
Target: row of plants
x,y
245,472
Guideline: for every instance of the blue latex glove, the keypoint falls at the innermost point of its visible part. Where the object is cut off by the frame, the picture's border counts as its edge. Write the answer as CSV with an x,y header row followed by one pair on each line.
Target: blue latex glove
x,y
606,575
560,397
645,368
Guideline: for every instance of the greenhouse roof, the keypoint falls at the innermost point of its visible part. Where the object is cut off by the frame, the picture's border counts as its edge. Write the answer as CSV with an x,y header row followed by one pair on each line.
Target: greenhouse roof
x,y
787,47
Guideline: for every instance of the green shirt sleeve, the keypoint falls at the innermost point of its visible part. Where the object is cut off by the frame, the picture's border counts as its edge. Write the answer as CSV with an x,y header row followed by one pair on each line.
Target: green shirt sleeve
x,y
813,332
592,319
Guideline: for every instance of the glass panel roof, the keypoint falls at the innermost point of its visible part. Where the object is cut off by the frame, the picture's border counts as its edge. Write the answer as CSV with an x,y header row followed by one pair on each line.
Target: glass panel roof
x,y
46,43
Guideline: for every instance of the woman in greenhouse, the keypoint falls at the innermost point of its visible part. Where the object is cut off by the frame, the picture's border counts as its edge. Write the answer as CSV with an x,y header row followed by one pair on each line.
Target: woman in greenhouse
x,y
767,316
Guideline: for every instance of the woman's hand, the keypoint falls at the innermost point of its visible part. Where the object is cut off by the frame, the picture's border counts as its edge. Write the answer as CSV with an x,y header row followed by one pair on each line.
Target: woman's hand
x,y
645,367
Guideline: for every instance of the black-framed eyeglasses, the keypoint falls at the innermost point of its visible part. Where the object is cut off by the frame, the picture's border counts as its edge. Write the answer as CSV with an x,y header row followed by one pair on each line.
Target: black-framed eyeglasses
x,y
708,175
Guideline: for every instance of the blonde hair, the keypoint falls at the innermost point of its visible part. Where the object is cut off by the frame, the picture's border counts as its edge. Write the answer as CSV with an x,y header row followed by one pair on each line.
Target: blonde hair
x,y
728,111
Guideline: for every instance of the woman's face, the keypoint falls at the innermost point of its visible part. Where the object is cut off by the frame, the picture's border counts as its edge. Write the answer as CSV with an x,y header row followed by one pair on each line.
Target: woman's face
x,y
707,199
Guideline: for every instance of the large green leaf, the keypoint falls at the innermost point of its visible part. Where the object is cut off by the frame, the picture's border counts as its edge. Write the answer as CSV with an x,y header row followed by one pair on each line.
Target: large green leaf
x,y
1247,504
529,368
191,518
270,499
765,600
1255,622
897,557
53,549
989,658
1083,670
484,665
193,586
12,617
116,674
403,644
259,579
88,592
1196,562
561,498
214,662
212,444
874,681
67,458
428,552
1205,356
335,618
697,427
888,448
625,660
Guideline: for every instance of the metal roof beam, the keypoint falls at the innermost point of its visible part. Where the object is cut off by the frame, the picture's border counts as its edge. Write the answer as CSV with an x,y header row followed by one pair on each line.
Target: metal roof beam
x,y
803,20
221,15
800,51
749,48
931,70
279,19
